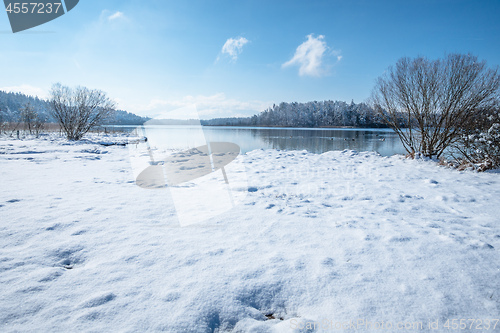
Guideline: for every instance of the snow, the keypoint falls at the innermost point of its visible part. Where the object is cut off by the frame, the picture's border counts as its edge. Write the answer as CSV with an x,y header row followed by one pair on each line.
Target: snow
x,y
341,237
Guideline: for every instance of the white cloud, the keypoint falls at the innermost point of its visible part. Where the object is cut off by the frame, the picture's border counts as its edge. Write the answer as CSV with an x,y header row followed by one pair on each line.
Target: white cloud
x,y
214,106
115,16
233,47
27,90
309,57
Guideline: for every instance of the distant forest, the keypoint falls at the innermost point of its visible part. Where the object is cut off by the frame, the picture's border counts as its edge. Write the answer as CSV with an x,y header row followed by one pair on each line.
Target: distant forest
x,y
12,103
310,114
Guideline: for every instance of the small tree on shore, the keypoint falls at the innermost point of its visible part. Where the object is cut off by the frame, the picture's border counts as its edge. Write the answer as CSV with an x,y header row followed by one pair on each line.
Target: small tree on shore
x,y
2,121
33,121
28,116
429,103
80,109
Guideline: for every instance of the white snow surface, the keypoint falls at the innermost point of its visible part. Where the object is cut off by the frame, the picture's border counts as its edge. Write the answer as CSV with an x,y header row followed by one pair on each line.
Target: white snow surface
x,y
339,237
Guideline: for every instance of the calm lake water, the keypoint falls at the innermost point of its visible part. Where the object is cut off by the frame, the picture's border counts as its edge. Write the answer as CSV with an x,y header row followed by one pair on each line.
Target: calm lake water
x,y
383,141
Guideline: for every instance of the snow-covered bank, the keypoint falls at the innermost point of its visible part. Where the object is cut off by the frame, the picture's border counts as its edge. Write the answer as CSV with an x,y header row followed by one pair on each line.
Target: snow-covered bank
x,y
331,238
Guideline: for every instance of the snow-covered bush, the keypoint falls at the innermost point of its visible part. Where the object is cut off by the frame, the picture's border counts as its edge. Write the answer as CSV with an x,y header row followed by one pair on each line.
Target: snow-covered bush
x,y
479,146
484,149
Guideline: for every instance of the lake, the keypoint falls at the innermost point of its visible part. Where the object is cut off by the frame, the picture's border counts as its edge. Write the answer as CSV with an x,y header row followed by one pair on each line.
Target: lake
x,y
316,140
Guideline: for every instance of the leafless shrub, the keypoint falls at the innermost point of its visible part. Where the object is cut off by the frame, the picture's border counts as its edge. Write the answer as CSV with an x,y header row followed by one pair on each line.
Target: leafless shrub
x,y
80,109
429,103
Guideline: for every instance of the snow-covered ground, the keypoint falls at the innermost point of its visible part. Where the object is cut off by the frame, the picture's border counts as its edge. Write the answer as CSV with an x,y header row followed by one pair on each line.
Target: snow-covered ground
x,y
331,242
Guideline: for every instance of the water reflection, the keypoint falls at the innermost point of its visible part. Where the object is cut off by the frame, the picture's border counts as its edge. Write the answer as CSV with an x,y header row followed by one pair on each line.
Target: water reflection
x,y
383,141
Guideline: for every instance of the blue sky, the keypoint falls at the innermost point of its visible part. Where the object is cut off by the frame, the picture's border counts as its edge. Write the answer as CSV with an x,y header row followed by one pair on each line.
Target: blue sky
x,y
233,58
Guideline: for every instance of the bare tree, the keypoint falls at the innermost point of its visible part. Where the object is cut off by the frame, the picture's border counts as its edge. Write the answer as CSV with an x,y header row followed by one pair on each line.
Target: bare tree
x,y
80,109
39,125
428,103
28,116
33,121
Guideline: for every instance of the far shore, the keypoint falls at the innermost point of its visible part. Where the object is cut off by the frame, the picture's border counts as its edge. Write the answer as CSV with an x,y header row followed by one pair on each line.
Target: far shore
x,y
12,128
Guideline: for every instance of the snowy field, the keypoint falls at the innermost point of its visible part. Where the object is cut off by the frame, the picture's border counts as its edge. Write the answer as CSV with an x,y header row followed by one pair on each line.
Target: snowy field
x,y
341,241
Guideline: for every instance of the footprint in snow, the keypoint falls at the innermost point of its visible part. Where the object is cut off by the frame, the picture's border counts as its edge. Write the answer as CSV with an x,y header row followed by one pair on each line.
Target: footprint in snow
x,y
98,300
66,263
481,245
78,233
328,262
171,297
51,276
400,239
14,200
54,227
68,258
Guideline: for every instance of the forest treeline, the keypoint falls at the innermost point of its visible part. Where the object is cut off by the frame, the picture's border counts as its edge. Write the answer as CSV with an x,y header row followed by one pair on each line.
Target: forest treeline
x,y
310,114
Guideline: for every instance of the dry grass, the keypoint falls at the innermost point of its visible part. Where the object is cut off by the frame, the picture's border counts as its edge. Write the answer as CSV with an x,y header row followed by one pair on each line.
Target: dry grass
x,y
18,129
